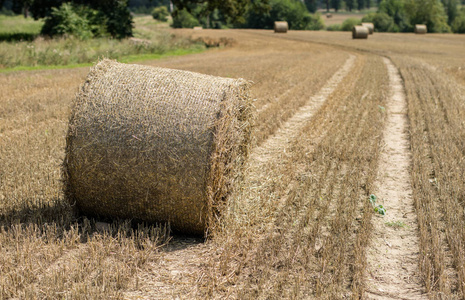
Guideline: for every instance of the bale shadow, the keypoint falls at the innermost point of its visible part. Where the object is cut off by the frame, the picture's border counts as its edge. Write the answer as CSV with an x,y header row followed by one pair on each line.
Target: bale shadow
x,y
55,211
63,216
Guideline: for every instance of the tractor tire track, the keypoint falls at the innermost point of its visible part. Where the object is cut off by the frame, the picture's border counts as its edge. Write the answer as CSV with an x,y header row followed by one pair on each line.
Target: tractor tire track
x,y
393,258
289,130
175,274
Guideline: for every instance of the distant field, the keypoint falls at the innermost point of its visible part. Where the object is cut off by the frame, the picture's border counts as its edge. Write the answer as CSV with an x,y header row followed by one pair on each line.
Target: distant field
x,y
338,18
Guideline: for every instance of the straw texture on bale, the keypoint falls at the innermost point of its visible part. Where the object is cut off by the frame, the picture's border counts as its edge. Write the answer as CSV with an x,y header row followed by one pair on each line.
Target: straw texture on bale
x,y
156,145
281,26
359,32
420,29
370,26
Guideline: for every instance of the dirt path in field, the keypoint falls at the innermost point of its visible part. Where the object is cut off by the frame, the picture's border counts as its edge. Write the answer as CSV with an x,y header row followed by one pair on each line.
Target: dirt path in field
x,y
289,131
393,255
177,270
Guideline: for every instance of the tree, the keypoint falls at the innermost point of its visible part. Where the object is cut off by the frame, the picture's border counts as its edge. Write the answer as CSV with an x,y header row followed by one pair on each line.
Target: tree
x,y
234,10
335,4
184,19
396,10
349,23
292,11
70,20
160,13
451,10
115,15
360,4
350,4
428,12
382,22
312,5
458,26
19,6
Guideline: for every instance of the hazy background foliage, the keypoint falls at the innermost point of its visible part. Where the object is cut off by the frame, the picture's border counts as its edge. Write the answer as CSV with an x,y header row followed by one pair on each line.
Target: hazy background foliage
x,y
86,19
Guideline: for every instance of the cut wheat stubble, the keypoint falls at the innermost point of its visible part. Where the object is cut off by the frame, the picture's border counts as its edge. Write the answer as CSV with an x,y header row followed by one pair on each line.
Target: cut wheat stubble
x,y
289,130
393,256
179,266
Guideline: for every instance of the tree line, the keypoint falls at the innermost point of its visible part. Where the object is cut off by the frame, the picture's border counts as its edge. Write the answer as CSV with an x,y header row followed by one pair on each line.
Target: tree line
x,y
94,18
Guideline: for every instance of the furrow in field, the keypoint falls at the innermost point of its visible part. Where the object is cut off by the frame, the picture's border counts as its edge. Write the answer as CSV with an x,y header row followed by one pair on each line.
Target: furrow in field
x,y
294,230
289,130
177,271
394,252
436,119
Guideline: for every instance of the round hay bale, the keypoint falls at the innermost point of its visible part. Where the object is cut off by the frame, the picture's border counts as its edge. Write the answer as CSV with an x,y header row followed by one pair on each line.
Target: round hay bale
x,y
281,27
359,32
156,145
420,29
198,28
370,26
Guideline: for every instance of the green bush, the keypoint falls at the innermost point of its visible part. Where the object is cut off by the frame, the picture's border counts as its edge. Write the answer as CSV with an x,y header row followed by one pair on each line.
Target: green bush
x,y
458,25
382,22
396,10
117,18
69,20
334,27
314,22
429,12
160,13
349,24
183,19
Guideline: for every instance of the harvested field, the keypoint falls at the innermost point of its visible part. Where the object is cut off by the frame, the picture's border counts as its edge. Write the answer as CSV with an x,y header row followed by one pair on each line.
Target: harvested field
x,y
301,225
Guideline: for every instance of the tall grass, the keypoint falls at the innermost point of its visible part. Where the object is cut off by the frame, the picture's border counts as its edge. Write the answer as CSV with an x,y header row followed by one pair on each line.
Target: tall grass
x,y
150,40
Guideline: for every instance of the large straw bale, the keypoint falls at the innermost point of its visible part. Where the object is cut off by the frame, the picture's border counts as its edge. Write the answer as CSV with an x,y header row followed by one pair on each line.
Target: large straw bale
x,y
420,29
359,32
156,144
281,27
370,26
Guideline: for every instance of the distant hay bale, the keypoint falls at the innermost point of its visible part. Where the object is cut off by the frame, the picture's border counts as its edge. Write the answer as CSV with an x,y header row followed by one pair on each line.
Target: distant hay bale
x,y
370,26
281,27
359,32
420,29
328,15
156,145
198,28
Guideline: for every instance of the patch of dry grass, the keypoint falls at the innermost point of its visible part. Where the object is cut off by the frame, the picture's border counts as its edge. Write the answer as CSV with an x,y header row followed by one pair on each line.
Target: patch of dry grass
x,y
436,113
301,226
431,67
48,250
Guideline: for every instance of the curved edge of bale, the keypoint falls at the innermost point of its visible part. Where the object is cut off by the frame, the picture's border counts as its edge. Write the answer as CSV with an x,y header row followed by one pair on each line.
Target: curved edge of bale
x,y
359,32
231,133
231,149
370,26
420,29
281,26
